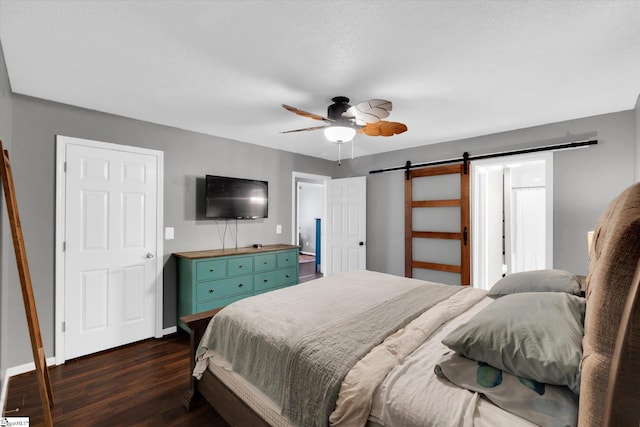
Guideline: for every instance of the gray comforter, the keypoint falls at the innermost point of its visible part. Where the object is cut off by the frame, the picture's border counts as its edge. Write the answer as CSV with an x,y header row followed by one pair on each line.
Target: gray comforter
x,y
298,344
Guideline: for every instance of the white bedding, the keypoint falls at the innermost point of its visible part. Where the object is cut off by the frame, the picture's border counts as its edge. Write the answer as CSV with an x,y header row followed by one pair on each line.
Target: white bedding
x,y
356,393
410,394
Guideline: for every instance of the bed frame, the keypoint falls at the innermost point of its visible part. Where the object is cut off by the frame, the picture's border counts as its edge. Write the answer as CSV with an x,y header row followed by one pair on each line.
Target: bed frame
x,y
210,388
610,385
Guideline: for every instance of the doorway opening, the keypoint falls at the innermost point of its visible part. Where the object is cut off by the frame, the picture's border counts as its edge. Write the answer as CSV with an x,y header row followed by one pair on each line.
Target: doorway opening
x,y
512,216
308,212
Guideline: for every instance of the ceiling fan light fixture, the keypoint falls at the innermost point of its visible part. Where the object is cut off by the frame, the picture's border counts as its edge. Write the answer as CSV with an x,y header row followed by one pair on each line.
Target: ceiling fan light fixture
x,y
339,134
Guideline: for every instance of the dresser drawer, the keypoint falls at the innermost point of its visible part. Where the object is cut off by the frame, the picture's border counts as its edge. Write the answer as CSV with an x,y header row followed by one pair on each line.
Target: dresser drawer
x,y
287,259
237,266
211,269
274,279
287,276
223,288
264,281
265,262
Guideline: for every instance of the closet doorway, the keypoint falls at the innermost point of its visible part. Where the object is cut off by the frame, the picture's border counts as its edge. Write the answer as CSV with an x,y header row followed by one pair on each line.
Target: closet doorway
x,y
512,216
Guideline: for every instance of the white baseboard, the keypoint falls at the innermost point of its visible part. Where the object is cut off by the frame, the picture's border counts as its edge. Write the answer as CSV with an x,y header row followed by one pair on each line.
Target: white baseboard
x,y
27,367
169,331
17,370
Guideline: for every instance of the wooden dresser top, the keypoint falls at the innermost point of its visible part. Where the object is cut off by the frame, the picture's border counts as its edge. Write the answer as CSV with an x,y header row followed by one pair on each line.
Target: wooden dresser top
x,y
240,251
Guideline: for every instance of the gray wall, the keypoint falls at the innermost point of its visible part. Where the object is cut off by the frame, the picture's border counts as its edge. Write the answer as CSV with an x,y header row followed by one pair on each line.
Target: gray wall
x,y
7,264
188,157
585,180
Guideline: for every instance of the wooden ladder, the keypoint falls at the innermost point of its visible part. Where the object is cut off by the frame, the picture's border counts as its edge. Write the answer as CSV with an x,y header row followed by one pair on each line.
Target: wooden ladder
x,y
46,395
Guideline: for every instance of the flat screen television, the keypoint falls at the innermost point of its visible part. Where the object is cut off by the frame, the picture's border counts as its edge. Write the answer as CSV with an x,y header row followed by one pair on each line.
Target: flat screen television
x,y
238,198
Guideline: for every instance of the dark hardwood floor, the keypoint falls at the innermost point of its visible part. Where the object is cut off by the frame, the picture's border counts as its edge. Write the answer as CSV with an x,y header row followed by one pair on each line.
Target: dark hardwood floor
x,y
308,271
309,277
141,384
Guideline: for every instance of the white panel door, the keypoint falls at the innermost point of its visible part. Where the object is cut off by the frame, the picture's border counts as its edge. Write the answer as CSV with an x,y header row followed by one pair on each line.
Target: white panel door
x,y
346,225
110,239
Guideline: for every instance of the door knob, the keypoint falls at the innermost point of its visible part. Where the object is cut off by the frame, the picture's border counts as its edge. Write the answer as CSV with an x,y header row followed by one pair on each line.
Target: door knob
x,y
149,255
361,243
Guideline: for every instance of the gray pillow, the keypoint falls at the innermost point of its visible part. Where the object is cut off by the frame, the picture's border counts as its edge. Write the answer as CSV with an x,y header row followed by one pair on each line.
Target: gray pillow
x,y
536,281
536,335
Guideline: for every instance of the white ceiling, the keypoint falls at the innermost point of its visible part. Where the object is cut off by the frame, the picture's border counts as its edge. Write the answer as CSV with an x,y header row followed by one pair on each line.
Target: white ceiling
x,y
453,69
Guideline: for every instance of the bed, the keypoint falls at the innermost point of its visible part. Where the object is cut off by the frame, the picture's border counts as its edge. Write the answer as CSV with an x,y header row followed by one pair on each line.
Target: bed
x,y
367,348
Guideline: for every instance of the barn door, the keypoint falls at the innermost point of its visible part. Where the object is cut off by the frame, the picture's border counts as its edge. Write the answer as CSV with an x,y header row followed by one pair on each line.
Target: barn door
x,y
437,224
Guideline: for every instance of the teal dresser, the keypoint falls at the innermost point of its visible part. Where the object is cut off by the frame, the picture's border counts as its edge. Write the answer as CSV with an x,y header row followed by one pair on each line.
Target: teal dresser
x,y
213,279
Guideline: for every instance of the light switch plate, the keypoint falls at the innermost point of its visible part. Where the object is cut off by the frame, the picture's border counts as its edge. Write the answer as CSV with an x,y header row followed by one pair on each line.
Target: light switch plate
x,y
168,233
278,229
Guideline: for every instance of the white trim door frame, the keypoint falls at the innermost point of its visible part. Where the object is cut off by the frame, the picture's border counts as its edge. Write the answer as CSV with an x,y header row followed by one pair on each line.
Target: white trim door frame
x,y
296,178
62,143
479,216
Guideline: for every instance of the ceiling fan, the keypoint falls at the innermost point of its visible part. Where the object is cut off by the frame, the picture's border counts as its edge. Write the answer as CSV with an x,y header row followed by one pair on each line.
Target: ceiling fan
x,y
344,121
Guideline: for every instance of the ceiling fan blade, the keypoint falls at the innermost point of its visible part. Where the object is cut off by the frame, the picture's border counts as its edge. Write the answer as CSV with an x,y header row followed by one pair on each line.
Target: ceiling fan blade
x,y
306,113
383,128
370,111
305,129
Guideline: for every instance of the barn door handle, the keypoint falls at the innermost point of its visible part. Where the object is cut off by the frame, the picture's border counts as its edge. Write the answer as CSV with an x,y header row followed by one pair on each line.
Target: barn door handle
x,y
465,235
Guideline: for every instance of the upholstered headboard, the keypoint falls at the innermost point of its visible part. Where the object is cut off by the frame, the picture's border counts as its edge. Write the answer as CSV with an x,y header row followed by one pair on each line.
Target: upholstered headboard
x,y
611,286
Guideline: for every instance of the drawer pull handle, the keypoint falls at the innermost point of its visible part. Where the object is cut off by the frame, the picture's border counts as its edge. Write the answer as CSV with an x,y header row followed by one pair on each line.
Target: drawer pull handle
x,y
212,270
240,285
239,266
265,263
287,276
211,291
266,280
